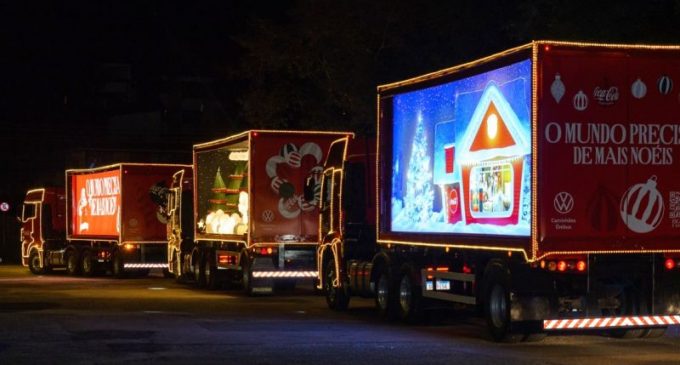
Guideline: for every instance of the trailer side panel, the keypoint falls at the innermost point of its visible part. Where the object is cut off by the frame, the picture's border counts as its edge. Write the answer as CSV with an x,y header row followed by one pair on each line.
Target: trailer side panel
x,y
460,159
609,149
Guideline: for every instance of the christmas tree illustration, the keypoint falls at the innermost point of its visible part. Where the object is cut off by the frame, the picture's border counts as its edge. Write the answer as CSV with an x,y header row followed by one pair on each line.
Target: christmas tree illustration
x,y
219,189
419,190
237,182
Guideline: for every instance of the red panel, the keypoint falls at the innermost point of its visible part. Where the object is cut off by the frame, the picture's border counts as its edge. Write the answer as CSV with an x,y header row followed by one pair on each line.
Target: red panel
x,y
141,219
609,149
450,157
281,164
95,205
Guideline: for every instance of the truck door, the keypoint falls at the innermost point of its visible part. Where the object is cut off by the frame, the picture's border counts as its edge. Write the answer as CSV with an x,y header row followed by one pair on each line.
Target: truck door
x,y
30,229
331,192
174,212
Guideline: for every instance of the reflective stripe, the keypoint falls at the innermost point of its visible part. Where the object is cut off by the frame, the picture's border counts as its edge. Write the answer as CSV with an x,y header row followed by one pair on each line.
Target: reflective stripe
x,y
284,274
145,266
610,322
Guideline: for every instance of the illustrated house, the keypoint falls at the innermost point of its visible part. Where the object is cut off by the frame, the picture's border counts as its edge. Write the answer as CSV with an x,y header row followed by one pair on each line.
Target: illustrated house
x,y
492,156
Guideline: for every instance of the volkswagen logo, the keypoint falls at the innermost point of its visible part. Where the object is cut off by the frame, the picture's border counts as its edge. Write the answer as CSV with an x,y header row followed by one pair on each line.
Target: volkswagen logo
x,y
563,202
267,216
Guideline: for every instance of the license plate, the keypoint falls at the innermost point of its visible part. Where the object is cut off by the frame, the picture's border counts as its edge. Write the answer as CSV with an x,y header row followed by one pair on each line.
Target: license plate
x,y
443,285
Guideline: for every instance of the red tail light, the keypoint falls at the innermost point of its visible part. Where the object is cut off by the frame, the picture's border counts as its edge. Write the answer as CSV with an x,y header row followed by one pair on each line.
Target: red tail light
x,y
266,250
562,266
581,266
669,264
226,259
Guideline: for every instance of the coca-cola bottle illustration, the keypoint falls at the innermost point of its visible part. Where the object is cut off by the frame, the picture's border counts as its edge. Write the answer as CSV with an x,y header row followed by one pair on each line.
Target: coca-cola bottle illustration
x,y
601,210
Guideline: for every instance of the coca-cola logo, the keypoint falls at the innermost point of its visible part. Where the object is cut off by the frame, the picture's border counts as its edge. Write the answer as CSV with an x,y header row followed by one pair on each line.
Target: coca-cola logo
x,y
453,202
606,96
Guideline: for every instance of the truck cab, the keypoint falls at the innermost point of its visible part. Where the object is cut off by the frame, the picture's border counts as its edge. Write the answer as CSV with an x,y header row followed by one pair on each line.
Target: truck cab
x,y
347,221
42,227
180,231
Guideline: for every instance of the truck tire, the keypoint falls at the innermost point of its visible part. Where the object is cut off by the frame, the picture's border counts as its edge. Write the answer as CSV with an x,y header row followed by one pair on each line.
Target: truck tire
x,y
118,265
246,275
210,269
497,303
409,296
197,268
336,298
386,298
34,263
87,263
72,262
630,305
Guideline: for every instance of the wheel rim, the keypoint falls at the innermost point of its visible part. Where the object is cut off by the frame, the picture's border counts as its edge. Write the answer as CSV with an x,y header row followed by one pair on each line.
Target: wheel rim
x,y
498,306
382,291
405,294
35,262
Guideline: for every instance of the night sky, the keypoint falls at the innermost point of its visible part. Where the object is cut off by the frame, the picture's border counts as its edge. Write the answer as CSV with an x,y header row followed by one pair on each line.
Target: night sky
x,y
86,83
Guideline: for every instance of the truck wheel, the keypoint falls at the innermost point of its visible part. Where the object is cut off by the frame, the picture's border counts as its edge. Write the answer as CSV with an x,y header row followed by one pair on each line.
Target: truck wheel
x,y
197,263
336,298
87,263
497,303
199,269
210,270
246,275
118,265
72,262
386,299
629,306
34,263
409,296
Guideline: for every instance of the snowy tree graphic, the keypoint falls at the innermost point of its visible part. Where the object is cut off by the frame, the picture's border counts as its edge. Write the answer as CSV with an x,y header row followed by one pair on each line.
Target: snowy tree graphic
x,y
219,198
419,189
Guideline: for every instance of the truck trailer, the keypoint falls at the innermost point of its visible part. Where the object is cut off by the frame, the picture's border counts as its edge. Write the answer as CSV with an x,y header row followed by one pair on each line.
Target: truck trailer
x,y
108,218
254,210
538,185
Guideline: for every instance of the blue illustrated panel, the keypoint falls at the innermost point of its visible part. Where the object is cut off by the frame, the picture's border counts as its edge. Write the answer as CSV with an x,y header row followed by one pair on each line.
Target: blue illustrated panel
x,y
462,155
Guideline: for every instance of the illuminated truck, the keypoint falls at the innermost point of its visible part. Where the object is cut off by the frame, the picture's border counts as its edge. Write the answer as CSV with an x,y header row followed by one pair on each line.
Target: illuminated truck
x,y
108,219
254,213
538,184
43,218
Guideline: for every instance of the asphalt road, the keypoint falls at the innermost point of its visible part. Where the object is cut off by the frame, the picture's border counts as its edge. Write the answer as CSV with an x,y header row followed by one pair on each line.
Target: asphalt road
x,y
59,319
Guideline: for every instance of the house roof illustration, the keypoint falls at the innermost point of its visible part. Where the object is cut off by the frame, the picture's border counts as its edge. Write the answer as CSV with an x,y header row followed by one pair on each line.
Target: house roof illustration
x,y
494,130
